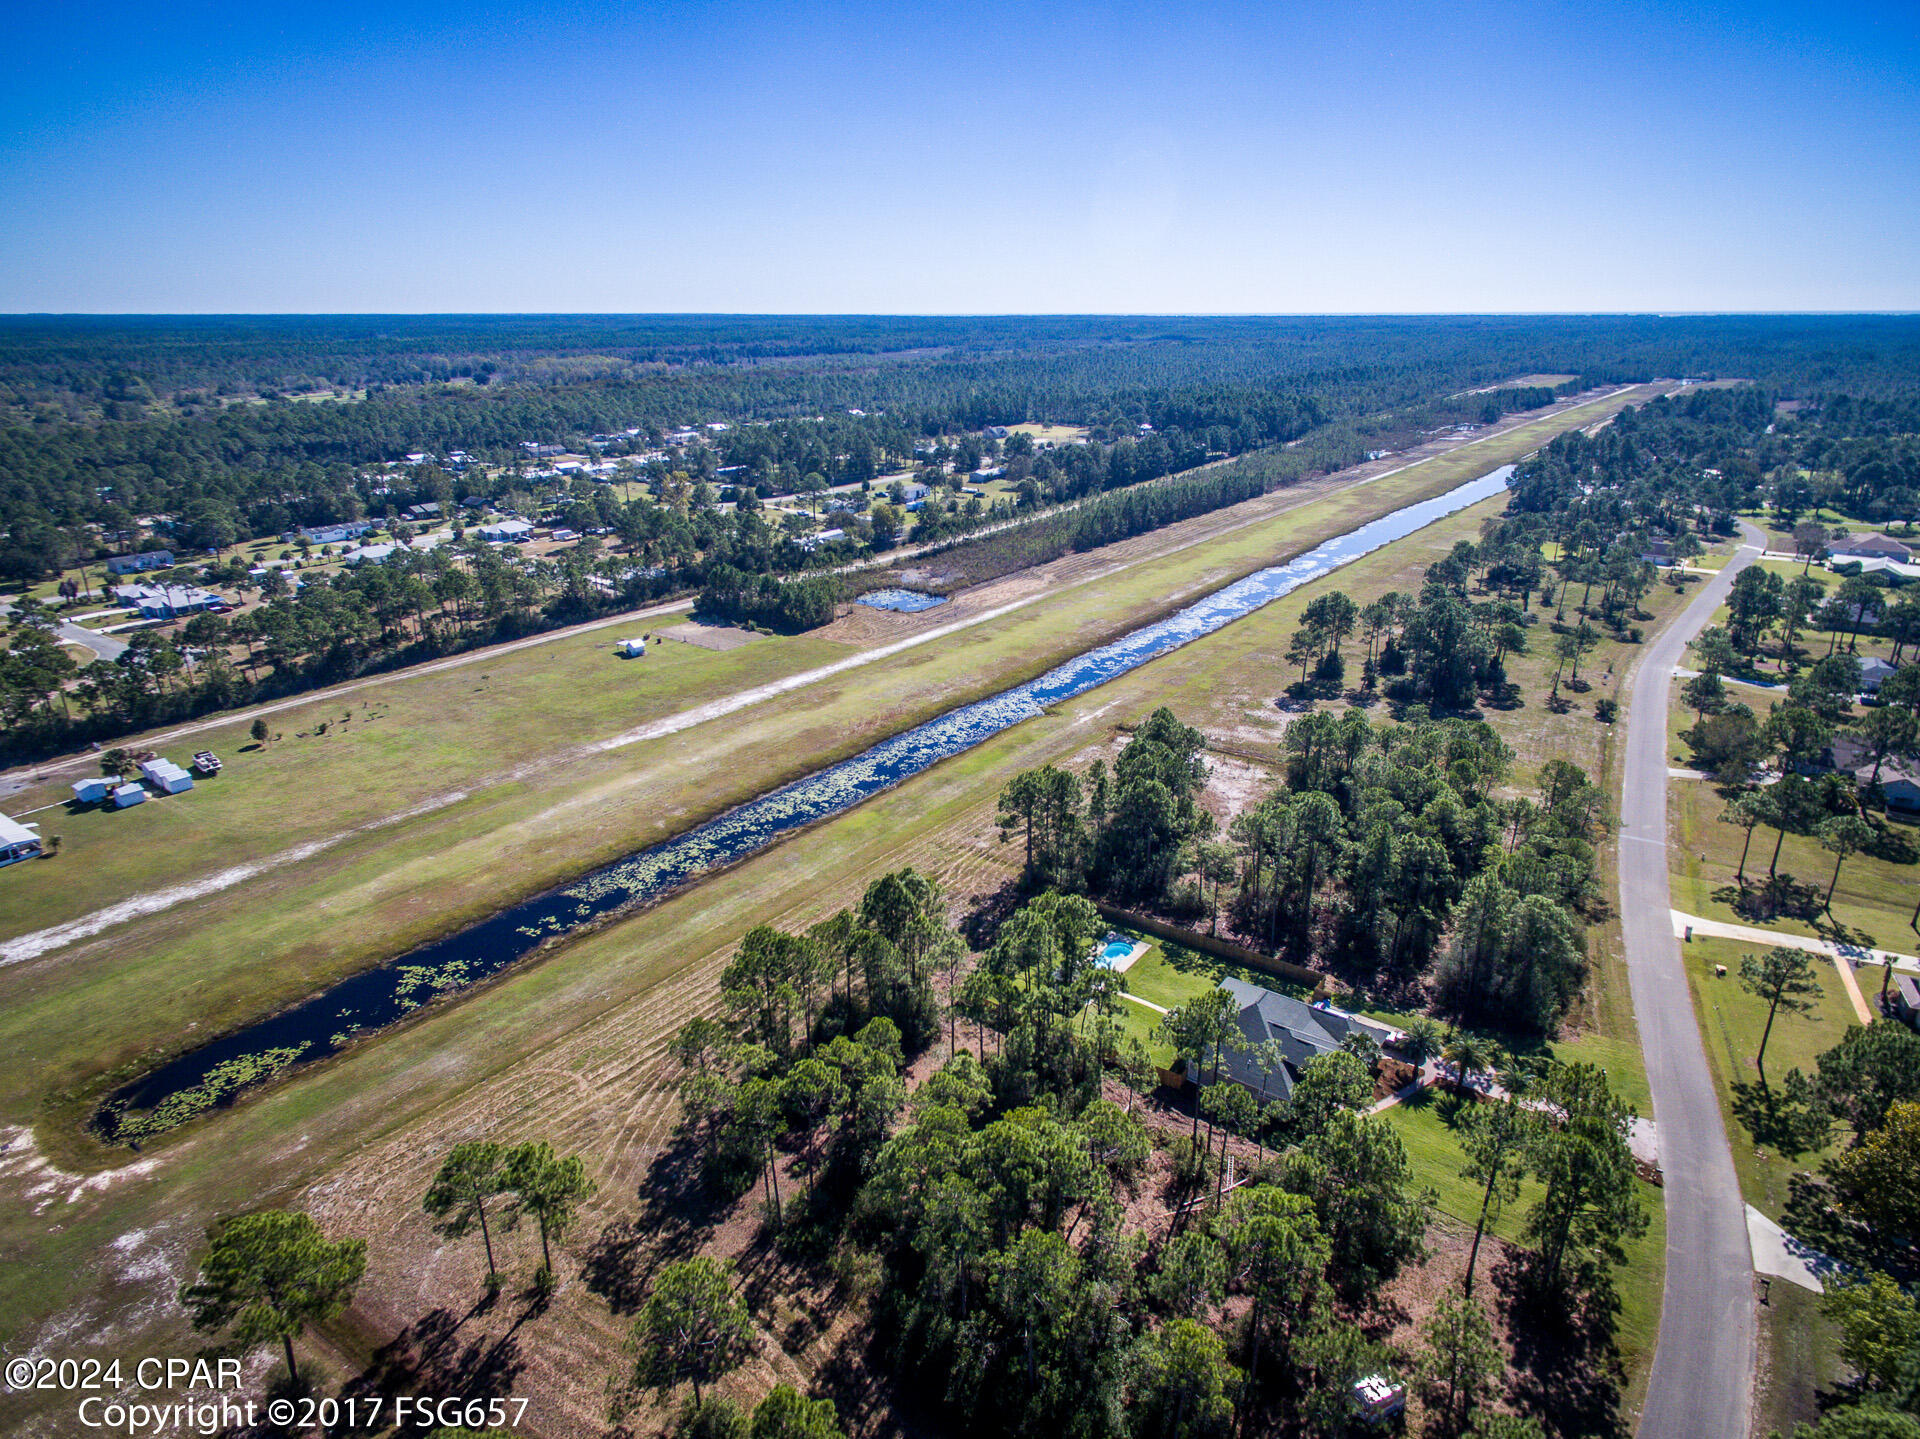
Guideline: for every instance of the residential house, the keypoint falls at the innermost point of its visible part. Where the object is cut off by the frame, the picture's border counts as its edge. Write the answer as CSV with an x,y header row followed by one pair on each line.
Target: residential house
x,y
420,513
91,791
1865,547
507,532
1875,672
1903,999
136,564
335,534
1899,775
1302,1031
165,602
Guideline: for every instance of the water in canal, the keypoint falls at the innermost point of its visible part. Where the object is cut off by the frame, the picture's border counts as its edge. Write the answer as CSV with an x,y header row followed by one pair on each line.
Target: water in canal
x,y
214,1073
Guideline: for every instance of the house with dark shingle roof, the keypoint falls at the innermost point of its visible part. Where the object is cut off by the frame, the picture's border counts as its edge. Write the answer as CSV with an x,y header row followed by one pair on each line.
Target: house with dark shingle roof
x,y
1302,1031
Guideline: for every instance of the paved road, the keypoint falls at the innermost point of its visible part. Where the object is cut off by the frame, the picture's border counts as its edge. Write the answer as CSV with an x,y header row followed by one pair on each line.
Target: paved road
x,y
105,646
1703,1369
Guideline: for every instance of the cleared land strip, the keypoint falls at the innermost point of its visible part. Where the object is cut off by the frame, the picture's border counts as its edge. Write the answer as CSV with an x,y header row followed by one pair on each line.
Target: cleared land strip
x,y
88,763
1073,572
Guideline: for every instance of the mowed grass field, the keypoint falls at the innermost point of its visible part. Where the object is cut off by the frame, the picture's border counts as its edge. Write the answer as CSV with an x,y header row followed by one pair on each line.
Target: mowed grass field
x,y
525,801
1873,903
570,1046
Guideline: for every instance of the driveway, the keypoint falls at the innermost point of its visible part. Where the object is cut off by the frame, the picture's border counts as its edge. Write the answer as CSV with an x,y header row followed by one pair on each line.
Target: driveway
x,y
1701,1386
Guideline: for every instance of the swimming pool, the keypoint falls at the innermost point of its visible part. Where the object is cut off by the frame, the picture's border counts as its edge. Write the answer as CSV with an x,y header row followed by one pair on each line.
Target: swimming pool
x,y
1116,949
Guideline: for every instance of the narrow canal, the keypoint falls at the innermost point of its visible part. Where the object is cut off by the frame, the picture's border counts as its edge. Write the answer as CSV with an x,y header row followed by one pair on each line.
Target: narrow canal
x,y
215,1073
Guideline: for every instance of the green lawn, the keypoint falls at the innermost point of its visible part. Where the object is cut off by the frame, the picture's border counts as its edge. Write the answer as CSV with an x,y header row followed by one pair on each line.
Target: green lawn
x,y
1873,903
1438,1158
1426,1126
1799,1360
1731,1021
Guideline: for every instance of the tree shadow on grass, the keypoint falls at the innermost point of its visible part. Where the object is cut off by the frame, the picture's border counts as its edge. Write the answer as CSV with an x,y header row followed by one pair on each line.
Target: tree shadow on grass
x,y
428,1358
1566,1371
857,1376
679,1210
1813,1217
1787,1126
1779,896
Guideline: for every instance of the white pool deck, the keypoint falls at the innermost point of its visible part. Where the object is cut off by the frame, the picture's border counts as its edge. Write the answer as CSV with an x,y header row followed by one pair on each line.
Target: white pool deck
x,y
1122,963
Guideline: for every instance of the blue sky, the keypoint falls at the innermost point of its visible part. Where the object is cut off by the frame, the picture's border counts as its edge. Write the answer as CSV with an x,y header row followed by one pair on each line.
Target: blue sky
x,y
1286,157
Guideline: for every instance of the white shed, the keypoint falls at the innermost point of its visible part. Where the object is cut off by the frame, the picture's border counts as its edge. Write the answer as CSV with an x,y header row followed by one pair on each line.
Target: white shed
x,y
91,791
129,794
634,649
166,776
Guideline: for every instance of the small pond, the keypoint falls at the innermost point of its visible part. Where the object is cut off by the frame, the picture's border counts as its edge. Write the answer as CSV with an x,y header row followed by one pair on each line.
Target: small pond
x,y
905,602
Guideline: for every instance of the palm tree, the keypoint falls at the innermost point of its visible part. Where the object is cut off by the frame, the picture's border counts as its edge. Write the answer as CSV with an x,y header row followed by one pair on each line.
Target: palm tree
x,y
1423,1040
1469,1055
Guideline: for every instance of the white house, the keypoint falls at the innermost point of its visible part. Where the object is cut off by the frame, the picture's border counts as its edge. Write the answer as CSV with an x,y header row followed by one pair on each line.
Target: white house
x,y
133,564
127,795
166,776
635,649
507,532
91,791
367,554
17,841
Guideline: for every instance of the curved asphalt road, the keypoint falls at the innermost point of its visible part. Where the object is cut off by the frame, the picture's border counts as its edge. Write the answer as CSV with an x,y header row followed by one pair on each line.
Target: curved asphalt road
x,y
1702,1369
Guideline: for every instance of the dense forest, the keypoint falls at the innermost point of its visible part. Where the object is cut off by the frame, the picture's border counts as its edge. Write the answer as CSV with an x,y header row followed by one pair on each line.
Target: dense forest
x,y
244,426
1179,419
990,1217
1386,851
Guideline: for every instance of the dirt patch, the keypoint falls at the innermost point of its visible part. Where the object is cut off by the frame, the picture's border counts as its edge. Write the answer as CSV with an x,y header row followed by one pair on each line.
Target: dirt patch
x,y
711,637
1234,786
